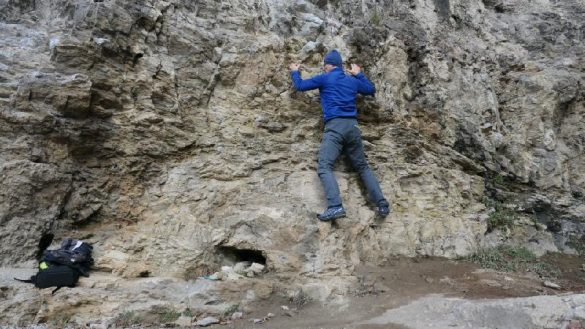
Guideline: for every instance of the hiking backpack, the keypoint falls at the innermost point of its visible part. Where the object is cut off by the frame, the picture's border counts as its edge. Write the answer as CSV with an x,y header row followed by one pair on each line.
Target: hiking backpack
x,y
62,267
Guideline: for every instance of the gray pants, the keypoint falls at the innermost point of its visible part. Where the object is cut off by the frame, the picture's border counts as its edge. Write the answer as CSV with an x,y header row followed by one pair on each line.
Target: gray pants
x,y
343,136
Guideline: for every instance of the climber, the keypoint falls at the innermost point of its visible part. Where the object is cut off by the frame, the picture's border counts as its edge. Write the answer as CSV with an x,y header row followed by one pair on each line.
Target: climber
x,y
338,93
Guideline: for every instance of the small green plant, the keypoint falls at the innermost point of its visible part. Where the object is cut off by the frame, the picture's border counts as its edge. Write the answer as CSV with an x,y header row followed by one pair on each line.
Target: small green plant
x,y
577,243
544,270
498,180
366,288
231,309
60,321
300,298
501,217
188,312
520,254
160,314
127,319
375,19
491,258
513,259
169,316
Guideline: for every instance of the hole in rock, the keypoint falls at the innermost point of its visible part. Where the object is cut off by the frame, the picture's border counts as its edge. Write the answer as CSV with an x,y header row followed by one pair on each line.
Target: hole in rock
x,y
136,58
235,255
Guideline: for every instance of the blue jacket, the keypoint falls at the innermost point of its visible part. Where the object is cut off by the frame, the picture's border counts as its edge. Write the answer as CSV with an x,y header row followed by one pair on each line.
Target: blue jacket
x,y
338,91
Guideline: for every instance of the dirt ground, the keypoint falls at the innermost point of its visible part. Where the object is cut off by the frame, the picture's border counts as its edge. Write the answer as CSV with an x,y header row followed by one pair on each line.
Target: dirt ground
x,y
404,280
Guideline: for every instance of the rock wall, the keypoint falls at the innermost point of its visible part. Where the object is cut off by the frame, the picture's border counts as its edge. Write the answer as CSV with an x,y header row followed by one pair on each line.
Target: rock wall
x,y
167,132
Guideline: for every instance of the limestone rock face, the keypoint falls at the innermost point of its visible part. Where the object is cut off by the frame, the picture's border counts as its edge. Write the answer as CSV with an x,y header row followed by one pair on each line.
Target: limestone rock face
x,y
168,135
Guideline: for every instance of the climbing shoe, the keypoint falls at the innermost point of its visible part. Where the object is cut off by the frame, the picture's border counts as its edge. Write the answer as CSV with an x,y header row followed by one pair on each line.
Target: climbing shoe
x,y
383,211
332,213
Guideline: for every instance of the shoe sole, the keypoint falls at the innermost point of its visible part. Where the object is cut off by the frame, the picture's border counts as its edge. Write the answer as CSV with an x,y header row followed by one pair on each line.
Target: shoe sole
x,y
331,219
382,216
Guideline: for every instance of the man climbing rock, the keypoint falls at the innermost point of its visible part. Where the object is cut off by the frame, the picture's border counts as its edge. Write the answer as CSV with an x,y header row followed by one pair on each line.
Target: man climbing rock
x,y
338,93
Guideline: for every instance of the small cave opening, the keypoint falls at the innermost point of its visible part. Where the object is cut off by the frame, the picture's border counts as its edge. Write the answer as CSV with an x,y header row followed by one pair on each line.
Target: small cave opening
x,y
234,255
499,8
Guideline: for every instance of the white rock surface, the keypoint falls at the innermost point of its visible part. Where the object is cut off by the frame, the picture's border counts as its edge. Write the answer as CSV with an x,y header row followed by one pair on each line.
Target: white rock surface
x,y
537,312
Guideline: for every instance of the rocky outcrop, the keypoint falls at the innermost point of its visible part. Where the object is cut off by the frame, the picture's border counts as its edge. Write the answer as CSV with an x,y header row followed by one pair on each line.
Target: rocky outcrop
x,y
167,133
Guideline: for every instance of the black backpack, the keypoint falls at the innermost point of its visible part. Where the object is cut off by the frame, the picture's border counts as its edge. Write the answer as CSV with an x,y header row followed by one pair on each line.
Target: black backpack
x,y
73,253
50,275
62,267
